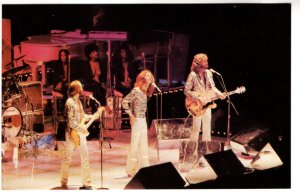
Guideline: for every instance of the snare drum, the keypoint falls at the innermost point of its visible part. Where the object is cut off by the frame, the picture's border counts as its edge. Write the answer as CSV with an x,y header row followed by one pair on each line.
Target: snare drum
x,y
12,122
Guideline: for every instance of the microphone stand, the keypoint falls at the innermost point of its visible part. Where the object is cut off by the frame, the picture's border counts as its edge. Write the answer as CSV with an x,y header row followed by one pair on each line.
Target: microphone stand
x,y
227,142
101,153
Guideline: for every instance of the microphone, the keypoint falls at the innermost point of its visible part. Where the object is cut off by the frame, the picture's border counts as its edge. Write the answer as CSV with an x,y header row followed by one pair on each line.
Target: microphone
x,y
92,98
215,72
154,85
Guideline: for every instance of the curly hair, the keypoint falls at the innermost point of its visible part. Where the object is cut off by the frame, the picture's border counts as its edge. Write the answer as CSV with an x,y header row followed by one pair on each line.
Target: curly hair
x,y
89,48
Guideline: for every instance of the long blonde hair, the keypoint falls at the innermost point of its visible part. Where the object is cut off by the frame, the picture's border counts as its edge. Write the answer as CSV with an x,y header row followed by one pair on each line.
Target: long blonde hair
x,y
141,81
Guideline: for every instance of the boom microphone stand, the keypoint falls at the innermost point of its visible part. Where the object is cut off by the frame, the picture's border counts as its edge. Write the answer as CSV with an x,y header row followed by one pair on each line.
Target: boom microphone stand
x,y
227,142
101,149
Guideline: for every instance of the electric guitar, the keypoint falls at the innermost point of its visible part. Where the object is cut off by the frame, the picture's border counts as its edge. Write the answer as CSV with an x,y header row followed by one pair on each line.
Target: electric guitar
x,y
74,134
196,109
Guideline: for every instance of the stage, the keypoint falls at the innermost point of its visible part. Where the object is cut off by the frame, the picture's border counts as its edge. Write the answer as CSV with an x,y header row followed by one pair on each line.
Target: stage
x,y
39,168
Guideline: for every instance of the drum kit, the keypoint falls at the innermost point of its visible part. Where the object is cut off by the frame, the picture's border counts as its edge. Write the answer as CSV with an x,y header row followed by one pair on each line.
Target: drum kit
x,y
13,124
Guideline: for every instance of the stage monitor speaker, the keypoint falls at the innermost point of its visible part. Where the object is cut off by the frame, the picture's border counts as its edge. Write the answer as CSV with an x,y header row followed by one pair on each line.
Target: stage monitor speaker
x,y
250,140
33,90
267,158
215,165
225,163
161,176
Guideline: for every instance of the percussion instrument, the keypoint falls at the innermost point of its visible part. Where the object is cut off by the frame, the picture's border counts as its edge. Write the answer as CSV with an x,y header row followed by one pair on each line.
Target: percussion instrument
x,y
12,122
10,88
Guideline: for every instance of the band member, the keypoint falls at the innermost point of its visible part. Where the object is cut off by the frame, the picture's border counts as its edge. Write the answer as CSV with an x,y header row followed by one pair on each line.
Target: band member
x,y
201,79
125,71
74,117
93,75
135,104
61,73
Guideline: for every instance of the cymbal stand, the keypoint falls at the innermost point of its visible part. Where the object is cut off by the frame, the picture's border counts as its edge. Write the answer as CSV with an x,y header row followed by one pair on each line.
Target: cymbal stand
x,y
29,125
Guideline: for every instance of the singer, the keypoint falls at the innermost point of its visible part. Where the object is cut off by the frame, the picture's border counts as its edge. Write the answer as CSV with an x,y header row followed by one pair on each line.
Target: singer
x,y
135,104
200,79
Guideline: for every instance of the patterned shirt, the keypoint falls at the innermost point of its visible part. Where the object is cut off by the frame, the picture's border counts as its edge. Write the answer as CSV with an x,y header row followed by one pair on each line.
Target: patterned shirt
x,y
135,103
74,113
195,83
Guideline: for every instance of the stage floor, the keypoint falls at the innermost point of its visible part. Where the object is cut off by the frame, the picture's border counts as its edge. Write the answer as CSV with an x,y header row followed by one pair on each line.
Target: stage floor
x,y
42,170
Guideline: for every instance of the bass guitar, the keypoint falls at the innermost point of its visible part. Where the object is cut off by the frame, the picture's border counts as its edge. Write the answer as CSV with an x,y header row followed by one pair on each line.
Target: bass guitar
x,y
196,109
74,134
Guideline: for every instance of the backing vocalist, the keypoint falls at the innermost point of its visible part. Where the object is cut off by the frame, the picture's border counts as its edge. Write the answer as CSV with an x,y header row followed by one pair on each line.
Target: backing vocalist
x,y
135,104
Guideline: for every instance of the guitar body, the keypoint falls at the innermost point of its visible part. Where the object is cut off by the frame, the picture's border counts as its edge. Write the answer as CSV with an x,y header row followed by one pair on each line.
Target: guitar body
x,y
196,109
75,134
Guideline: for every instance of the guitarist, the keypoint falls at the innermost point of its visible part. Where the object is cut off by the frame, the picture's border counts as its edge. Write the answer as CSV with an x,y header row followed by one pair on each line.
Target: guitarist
x,y
200,79
74,117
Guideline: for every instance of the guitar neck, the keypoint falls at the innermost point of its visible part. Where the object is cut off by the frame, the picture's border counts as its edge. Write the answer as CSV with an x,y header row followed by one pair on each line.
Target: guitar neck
x,y
90,121
229,93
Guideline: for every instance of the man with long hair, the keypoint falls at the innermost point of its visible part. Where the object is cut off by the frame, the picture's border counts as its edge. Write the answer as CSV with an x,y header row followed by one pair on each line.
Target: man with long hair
x,y
61,73
201,79
125,71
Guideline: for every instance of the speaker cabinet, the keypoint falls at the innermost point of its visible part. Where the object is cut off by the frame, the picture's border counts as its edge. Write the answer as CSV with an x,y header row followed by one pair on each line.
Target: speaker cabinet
x,y
161,176
267,158
225,163
215,165
250,140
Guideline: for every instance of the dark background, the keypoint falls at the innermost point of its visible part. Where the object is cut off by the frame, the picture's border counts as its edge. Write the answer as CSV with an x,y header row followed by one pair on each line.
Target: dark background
x,y
250,44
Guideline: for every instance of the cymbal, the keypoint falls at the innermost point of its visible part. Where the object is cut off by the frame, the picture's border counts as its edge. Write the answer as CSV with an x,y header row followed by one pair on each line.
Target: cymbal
x,y
14,70
16,59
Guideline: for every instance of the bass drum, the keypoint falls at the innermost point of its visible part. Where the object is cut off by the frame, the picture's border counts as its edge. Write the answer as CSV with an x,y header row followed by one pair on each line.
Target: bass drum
x,y
12,122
